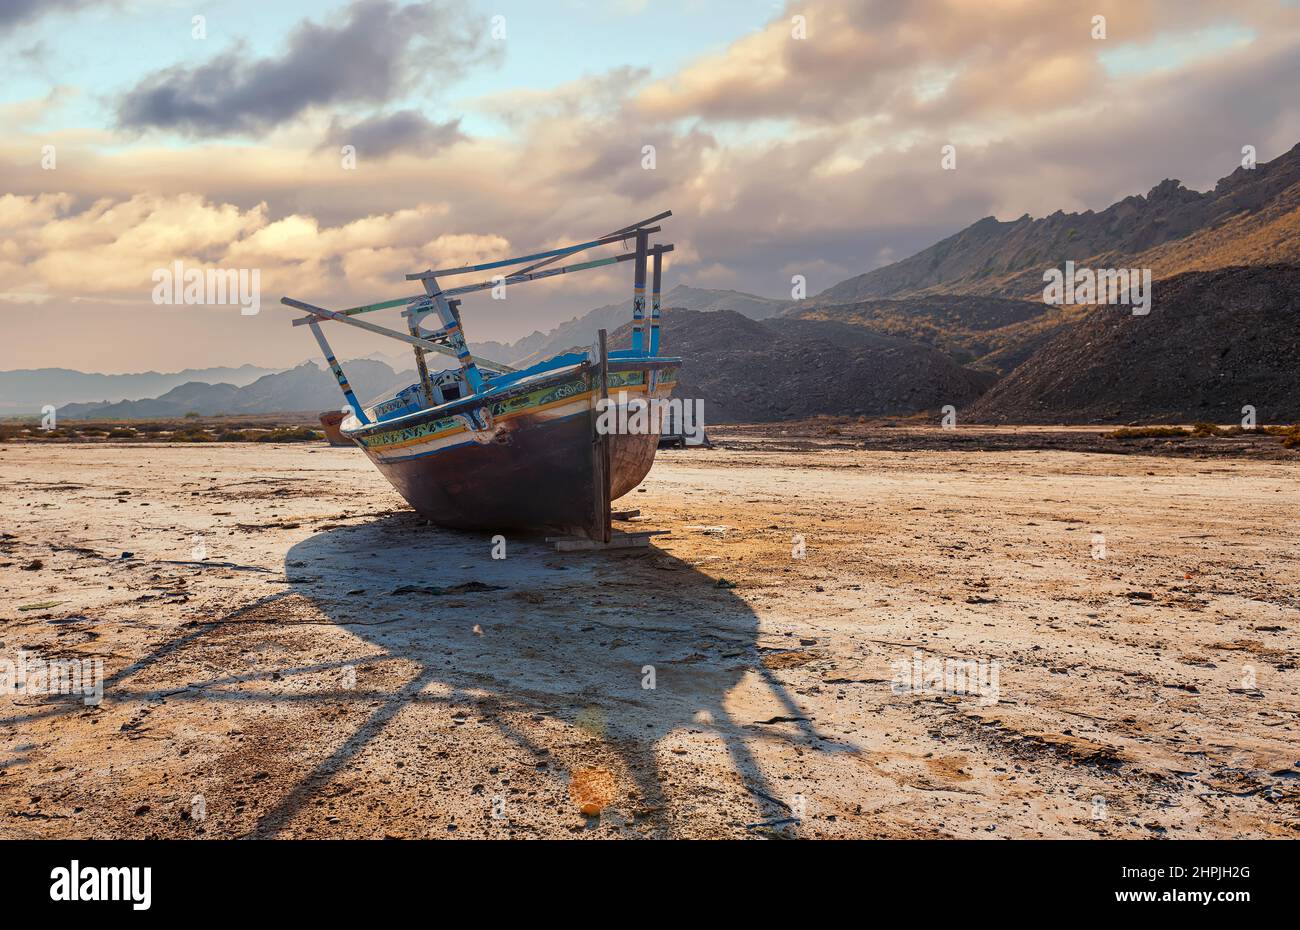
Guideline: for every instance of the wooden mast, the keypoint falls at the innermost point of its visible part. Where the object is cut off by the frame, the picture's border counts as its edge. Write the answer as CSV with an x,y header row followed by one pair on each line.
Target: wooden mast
x,y
656,288
638,291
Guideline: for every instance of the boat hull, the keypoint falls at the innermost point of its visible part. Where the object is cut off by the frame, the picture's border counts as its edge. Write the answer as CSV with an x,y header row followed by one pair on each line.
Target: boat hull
x,y
522,462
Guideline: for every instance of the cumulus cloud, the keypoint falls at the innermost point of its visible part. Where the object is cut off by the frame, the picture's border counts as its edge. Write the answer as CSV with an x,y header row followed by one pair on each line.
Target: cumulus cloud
x,y
778,157
378,50
922,62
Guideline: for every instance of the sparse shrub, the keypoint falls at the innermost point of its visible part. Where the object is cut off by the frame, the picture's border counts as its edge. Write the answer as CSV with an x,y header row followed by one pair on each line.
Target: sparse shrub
x,y
192,415
191,435
1148,432
93,431
233,435
1206,429
290,434
122,432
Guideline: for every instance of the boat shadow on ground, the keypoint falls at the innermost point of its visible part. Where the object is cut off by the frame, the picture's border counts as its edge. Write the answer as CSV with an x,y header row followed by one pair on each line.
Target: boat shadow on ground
x,y
622,647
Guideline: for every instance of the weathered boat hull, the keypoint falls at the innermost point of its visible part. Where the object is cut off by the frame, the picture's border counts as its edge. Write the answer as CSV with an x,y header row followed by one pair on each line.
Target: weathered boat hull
x,y
331,422
524,461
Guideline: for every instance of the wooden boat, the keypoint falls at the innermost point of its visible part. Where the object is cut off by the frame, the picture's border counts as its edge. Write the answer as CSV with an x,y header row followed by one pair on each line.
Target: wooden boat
x,y
487,447
331,422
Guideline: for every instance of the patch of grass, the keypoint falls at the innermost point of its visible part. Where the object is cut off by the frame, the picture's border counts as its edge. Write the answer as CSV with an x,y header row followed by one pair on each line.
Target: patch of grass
x,y
290,434
1149,432
1206,429
93,431
234,435
122,432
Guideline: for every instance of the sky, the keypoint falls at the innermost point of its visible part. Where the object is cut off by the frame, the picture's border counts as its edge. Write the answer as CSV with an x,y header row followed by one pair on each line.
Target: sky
x,y
789,139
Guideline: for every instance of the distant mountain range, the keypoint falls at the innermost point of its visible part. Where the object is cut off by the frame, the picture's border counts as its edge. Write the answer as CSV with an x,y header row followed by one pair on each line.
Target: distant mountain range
x,y
26,391
304,388
940,327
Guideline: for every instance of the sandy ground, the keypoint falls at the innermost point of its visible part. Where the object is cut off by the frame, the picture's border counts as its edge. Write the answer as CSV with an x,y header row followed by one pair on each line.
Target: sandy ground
x,y
269,670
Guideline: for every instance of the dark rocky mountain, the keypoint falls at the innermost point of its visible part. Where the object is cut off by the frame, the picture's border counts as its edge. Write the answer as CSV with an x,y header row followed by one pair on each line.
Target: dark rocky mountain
x,y
753,371
1249,218
1213,342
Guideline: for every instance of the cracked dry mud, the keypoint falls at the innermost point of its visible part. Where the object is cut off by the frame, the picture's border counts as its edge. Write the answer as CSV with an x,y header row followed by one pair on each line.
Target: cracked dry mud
x,y
274,675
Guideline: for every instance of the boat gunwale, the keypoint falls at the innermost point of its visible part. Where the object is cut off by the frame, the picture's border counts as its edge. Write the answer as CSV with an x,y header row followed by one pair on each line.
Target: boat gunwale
x,y
522,386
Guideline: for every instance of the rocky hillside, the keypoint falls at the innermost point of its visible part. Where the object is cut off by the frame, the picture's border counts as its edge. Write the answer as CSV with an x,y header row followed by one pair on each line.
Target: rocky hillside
x,y
992,333
1249,218
1214,342
753,371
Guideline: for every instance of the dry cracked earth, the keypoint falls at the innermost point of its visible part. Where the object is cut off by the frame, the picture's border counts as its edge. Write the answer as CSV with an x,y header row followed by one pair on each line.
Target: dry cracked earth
x,y
288,651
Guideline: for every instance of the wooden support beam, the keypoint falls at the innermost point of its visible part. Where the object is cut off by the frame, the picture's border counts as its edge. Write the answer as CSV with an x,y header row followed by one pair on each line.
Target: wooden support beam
x,y
341,378
624,231
638,291
417,303
421,365
656,295
425,344
601,450
506,262
452,332
617,540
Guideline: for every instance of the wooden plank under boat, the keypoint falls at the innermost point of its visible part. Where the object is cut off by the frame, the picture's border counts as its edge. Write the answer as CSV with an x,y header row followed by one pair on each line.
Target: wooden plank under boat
x,y
486,447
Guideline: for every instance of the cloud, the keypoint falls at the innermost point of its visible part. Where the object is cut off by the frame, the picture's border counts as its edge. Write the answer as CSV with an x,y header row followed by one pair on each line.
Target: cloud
x,y
774,164
378,50
14,13
922,62
402,131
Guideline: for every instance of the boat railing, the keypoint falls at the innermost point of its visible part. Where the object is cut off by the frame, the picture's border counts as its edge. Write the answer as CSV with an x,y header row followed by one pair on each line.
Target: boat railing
x,y
449,338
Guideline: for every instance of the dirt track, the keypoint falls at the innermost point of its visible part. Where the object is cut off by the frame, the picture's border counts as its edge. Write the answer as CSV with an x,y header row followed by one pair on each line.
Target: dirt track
x,y
264,678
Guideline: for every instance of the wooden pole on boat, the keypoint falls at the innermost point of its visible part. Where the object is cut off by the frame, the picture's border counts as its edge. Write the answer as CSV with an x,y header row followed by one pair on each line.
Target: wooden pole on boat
x,y
626,230
341,317
516,278
549,256
338,372
602,463
638,291
420,364
656,289
451,329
